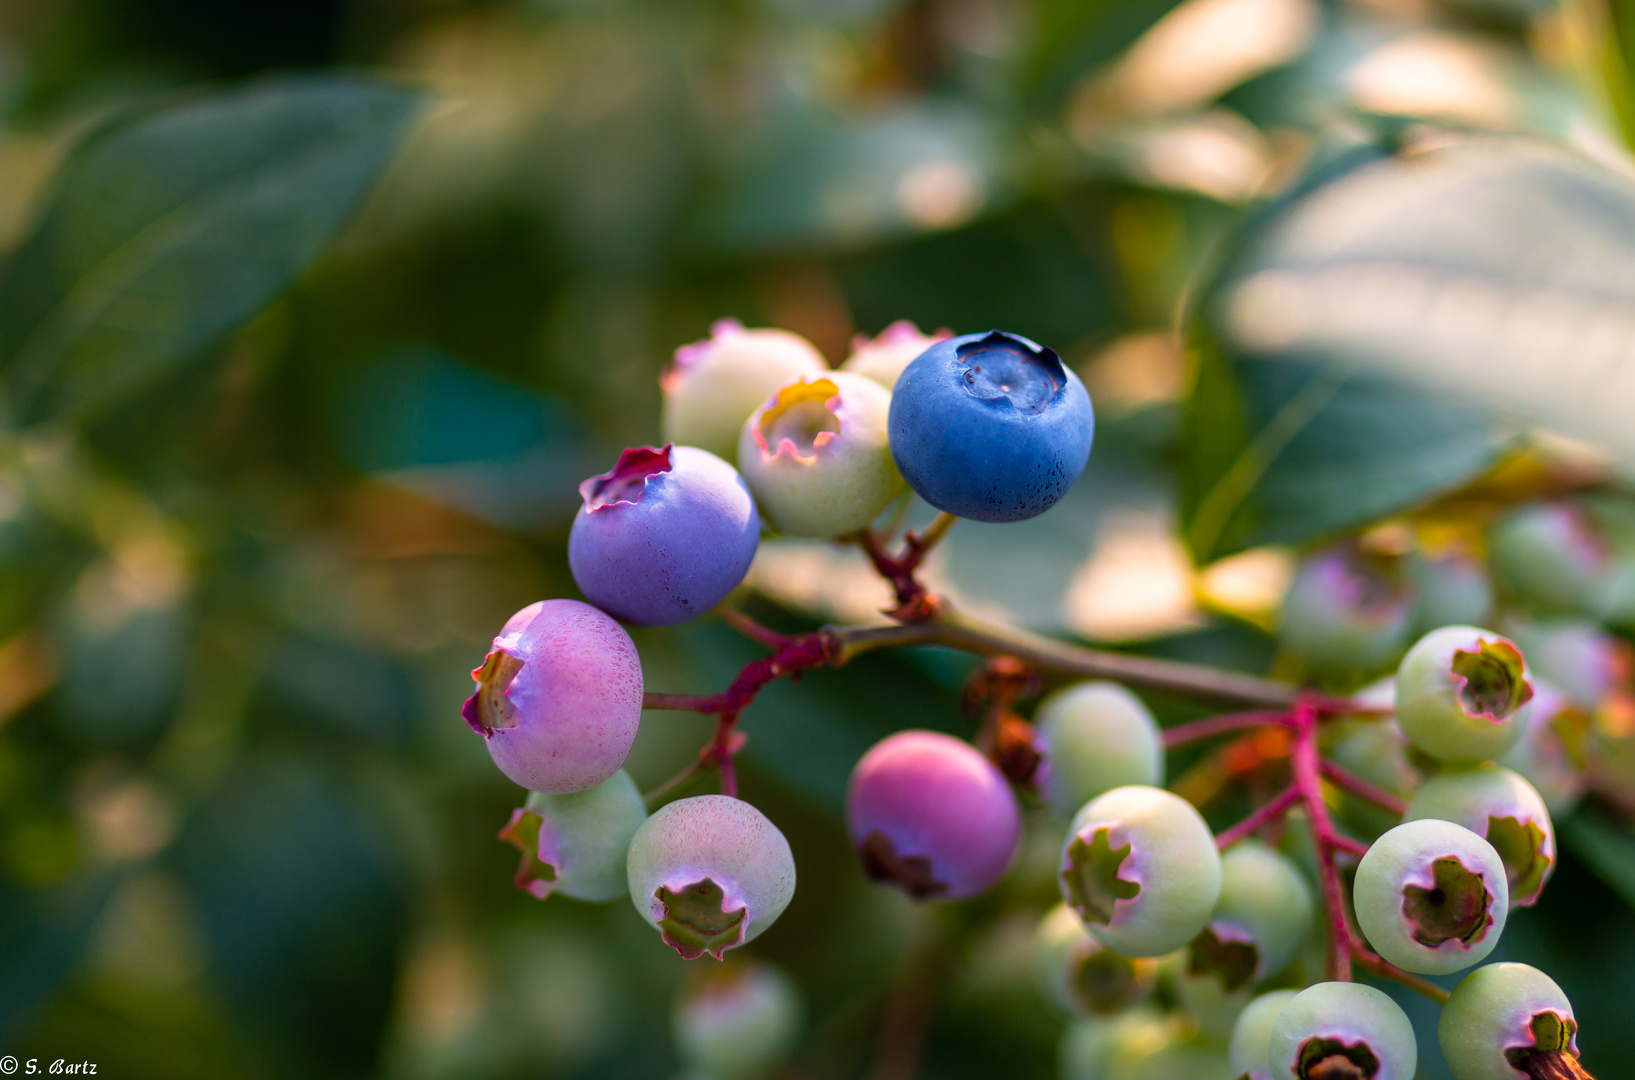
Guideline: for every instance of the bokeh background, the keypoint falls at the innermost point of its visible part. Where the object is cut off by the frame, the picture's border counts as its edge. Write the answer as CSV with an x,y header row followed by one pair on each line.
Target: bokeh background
x,y
313,313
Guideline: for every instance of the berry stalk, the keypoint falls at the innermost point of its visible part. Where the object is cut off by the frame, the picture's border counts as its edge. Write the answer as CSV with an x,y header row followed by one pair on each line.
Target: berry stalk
x,y
1272,811
1308,781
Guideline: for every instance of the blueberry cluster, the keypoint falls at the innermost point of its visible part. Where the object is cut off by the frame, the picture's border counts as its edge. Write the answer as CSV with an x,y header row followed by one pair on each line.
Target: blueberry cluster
x,y
1454,764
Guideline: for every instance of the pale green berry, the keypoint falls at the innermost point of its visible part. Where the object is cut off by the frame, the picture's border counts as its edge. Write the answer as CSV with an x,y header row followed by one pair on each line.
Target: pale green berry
x,y
1343,613
576,844
709,873
1449,590
1252,1035
1140,868
1093,737
1502,1018
1431,897
1462,694
1107,1047
1554,555
1334,1030
884,356
1210,1007
714,384
816,457
1503,809
740,1022
1079,974
1263,915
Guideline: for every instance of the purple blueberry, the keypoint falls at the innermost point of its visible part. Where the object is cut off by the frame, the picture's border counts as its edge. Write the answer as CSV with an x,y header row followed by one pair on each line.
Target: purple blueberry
x,y
990,427
664,536
932,816
559,697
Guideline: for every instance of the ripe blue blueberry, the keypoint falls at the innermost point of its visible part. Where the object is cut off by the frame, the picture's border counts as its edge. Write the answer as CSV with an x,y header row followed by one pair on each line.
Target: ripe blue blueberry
x,y
664,536
990,427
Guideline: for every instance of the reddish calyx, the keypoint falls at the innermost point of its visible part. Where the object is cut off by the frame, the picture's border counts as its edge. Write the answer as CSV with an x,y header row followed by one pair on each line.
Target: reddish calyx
x,y
696,920
911,873
626,481
490,707
535,876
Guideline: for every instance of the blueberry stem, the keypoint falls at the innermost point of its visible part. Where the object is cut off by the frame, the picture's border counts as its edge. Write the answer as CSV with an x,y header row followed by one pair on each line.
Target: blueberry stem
x,y
1355,784
1270,812
1384,968
1308,780
1182,734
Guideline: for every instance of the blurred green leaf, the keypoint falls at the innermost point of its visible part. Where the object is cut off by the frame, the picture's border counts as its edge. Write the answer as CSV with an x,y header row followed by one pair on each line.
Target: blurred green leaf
x,y
1288,437
43,933
1073,35
169,229
1609,851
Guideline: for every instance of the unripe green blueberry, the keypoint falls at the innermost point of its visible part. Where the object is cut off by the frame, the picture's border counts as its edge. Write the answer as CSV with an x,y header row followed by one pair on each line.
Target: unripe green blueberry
x,y
709,873
714,384
1250,1049
1449,590
1263,915
576,844
1107,1047
884,356
1093,737
1079,974
1431,897
1553,555
1550,753
1501,1017
1503,809
1342,1030
816,456
1462,694
1208,1005
1140,868
1343,613
740,1022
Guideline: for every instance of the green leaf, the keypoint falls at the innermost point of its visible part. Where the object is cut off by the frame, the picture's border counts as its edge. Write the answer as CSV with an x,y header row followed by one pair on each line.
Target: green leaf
x,y
1072,36
1318,407
168,229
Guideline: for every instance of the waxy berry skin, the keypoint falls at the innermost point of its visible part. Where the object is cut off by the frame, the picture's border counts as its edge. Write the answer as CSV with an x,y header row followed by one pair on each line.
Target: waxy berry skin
x,y
816,457
1252,1035
1462,694
709,873
1499,1016
575,844
991,427
1431,897
885,356
1140,867
1503,809
715,383
664,536
1093,737
931,815
1336,1029
559,697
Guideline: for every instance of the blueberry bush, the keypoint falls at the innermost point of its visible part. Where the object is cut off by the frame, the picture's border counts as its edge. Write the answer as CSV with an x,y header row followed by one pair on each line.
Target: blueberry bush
x,y
1037,538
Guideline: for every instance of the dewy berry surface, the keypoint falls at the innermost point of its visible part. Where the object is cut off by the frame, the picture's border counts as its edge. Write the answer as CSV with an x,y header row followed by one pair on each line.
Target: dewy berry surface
x,y
1342,1031
714,384
1093,737
1503,809
1462,694
1139,866
1503,1018
815,455
710,873
932,816
990,427
559,697
1431,897
576,844
664,536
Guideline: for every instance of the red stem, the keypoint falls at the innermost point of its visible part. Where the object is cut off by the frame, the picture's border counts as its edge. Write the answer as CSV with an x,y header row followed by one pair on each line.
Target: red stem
x,y
1267,814
1221,725
1355,784
754,630
1308,780
1382,967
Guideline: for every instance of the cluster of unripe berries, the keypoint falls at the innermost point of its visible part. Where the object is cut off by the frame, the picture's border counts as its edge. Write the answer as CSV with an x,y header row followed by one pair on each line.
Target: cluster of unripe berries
x,y
763,436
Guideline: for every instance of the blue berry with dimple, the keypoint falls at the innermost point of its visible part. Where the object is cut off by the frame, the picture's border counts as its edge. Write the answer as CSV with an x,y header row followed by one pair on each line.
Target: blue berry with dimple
x,y
664,536
990,427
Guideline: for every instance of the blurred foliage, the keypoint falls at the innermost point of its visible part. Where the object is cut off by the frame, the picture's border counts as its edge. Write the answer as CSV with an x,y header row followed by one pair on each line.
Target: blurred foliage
x,y
313,313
